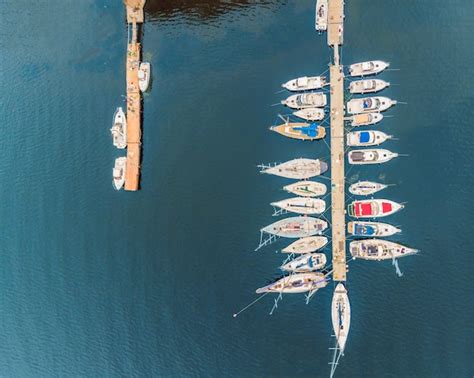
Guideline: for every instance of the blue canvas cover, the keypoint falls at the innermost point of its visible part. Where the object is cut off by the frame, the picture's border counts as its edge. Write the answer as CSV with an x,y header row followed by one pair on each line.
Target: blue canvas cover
x,y
363,230
311,130
364,136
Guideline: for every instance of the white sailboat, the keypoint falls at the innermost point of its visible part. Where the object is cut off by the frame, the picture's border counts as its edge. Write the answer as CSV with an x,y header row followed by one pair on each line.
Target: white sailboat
x,y
144,75
306,188
366,138
369,104
296,283
341,315
310,114
299,169
370,156
305,263
302,205
305,83
365,119
366,188
118,172
371,67
368,86
306,245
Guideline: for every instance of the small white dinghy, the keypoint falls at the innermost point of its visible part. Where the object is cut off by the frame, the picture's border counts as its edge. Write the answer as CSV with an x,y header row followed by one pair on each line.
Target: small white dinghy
x,y
321,16
296,283
368,86
367,68
119,129
341,315
302,205
366,138
310,114
305,83
144,75
370,156
306,188
377,249
369,104
365,119
366,188
118,172
306,245
306,100
296,227
371,229
298,169
306,263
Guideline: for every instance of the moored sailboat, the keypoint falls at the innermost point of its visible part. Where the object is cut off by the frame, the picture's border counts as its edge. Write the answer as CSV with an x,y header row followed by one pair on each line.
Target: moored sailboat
x,y
341,315
373,208
365,188
371,67
306,100
302,205
296,227
299,169
310,114
368,86
305,83
306,245
296,283
377,249
370,156
305,263
371,229
365,119
366,138
369,104
306,188
300,130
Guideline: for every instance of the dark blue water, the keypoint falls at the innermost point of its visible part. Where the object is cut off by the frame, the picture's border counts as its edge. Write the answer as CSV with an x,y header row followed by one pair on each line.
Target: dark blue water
x,y
102,283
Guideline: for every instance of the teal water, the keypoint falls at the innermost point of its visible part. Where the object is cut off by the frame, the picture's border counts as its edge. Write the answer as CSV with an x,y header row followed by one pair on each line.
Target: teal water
x,y
100,283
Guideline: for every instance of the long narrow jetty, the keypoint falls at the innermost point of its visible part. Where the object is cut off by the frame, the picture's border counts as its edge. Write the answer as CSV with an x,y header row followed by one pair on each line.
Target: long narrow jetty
x,y
335,39
134,133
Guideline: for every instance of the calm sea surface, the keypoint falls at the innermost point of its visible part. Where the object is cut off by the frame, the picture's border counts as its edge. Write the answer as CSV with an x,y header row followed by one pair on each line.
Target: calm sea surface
x,y
102,283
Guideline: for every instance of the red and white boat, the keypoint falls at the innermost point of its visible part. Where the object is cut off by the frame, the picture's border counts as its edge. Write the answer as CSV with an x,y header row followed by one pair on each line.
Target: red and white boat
x,y
373,208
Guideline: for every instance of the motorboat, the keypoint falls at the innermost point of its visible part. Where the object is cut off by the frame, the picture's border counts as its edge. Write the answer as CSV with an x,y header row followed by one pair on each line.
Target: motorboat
x,y
371,229
373,208
366,188
367,68
341,315
144,75
366,138
306,100
370,156
321,17
119,129
377,249
306,188
305,263
369,104
301,131
298,169
118,172
296,227
302,205
368,86
305,83
306,245
365,119
296,283
310,114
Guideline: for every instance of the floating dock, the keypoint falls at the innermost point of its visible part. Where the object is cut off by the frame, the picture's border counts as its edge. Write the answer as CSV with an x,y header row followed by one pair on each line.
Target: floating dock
x,y
134,129
336,74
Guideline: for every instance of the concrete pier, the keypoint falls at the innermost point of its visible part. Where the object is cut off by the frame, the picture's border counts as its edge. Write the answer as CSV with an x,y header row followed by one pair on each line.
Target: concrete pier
x,y
335,38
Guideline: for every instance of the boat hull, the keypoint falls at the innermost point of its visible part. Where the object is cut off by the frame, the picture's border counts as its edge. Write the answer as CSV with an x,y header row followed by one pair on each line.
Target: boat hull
x,y
372,67
369,104
295,130
299,169
377,249
118,172
366,138
368,86
296,227
306,263
366,119
341,315
366,188
306,245
306,100
306,188
371,229
305,83
119,129
144,76
302,205
373,208
370,156
310,114
296,283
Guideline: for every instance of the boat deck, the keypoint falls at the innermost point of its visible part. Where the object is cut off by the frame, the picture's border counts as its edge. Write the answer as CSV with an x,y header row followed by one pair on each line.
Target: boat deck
x,y
337,146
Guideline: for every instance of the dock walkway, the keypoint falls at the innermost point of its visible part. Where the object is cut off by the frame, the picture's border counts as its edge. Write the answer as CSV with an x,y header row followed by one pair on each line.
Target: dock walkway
x,y
335,38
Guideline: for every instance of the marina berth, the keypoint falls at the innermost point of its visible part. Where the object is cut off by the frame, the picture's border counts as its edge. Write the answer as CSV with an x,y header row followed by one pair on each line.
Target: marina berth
x,y
367,68
310,114
306,188
119,129
366,138
365,119
144,75
321,20
305,83
376,249
306,245
370,156
369,104
366,188
341,315
296,283
306,100
299,169
373,208
296,227
371,229
301,131
302,205
305,263
118,172
368,86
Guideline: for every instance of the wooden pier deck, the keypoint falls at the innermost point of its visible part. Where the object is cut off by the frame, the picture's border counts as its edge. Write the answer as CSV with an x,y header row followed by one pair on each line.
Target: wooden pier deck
x,y
335,38
134,130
